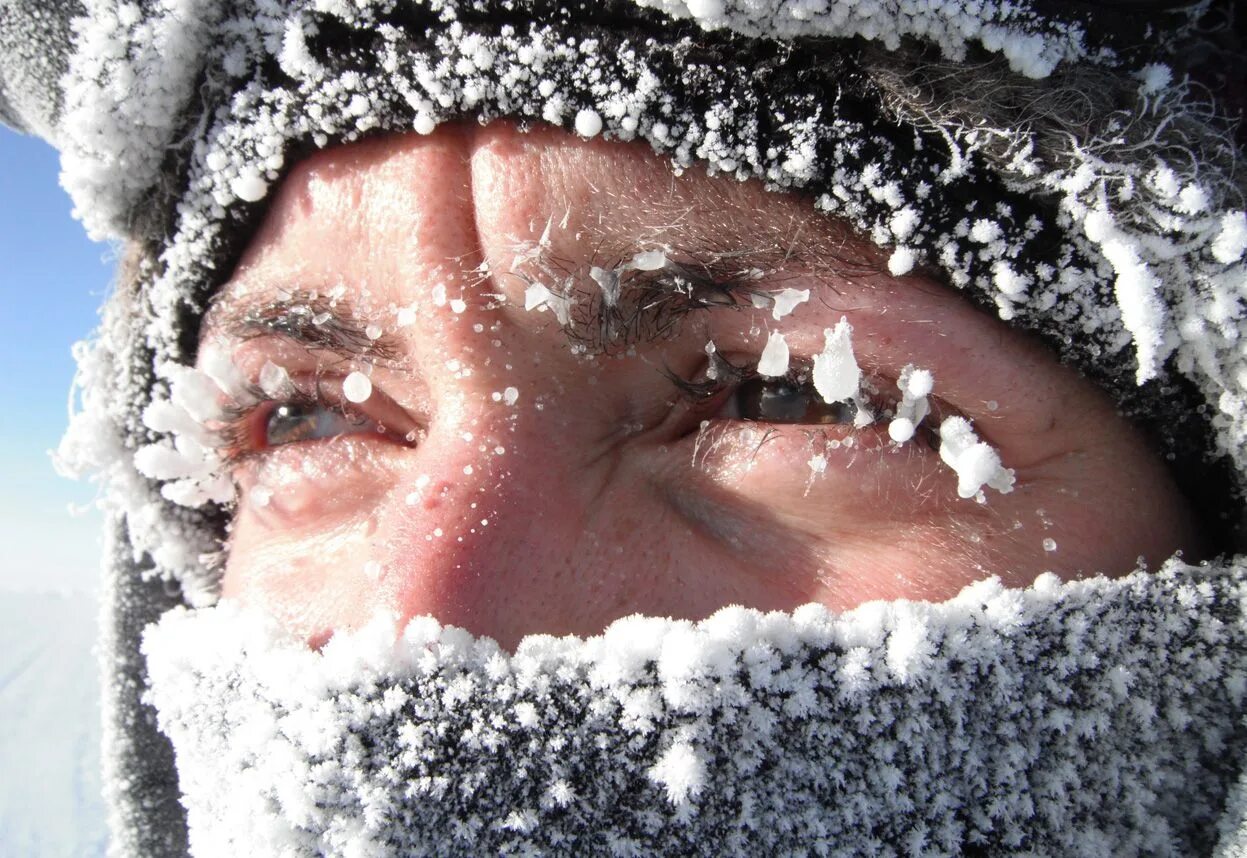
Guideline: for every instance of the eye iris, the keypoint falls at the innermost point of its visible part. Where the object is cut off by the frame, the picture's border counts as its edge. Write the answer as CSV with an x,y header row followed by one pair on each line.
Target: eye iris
x,y
291,423
786,401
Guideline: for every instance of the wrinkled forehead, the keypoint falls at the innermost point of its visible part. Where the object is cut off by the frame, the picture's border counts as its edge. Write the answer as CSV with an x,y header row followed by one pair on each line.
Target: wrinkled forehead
x,y
468,197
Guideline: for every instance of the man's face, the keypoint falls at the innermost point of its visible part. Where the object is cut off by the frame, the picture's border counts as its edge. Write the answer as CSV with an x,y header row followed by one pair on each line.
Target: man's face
x,y
518,463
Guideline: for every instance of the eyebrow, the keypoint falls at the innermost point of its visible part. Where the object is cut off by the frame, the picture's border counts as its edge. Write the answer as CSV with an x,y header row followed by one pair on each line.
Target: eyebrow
x,y
310,319
650,305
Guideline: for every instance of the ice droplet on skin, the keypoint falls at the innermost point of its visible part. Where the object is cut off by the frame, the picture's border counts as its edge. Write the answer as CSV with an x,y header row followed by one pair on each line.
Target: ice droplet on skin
x,y
901,429
260,495
977,464
373,332
511,395
774,360
920,383
372,569
424,124
1049,544
357,387
458,305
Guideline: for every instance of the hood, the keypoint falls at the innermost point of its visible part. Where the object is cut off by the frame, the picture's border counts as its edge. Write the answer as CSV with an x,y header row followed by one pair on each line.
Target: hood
x,y
1118,236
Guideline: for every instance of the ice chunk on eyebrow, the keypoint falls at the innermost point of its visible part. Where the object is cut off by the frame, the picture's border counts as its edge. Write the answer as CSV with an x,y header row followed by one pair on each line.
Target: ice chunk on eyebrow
x,y
786,301
539,297
275,381
608,281
977,464
837,376
774,360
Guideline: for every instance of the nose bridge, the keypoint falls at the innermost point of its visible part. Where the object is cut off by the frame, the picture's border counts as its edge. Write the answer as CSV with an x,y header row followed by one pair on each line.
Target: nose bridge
x,y
486,526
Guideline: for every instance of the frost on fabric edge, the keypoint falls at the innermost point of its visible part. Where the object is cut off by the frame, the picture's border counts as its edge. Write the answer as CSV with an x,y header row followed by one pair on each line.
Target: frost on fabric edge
x,y
1032,47
690,661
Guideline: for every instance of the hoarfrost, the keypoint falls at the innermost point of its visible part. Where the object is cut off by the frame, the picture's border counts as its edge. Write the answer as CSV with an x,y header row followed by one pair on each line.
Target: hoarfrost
x,y
837,376
977,464
678,734
681,771
774,360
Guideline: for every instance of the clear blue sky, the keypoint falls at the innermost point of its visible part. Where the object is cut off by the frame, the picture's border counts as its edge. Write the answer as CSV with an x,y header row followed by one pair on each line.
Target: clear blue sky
x,y
52,280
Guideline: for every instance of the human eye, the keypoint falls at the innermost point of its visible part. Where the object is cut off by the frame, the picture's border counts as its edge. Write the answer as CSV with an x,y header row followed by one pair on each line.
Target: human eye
x,y
310,410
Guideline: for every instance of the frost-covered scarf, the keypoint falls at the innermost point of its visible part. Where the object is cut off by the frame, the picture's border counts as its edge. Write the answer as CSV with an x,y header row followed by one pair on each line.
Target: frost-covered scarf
x,y
1092,718
1052,160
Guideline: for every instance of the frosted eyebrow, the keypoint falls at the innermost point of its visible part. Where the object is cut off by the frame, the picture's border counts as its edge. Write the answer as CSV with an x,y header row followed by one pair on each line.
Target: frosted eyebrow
x,y
308,319
647,306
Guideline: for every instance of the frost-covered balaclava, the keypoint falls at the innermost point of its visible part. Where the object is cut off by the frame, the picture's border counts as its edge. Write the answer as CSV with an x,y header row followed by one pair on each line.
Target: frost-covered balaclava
x,y
1101,717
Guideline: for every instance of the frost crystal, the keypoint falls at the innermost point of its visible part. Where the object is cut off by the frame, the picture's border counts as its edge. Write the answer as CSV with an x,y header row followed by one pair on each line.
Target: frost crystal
x,y
977,464
787,300
837,376
774,360
915,385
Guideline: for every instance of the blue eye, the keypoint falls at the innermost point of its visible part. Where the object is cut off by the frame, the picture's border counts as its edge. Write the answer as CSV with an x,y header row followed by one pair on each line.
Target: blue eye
x,y
293,422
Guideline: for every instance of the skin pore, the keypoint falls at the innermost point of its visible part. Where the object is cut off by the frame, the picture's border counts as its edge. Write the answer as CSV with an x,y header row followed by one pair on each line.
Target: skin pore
x,y
511,474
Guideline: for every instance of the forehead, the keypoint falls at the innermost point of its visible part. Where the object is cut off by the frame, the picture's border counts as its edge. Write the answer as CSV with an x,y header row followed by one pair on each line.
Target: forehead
x,y
395,218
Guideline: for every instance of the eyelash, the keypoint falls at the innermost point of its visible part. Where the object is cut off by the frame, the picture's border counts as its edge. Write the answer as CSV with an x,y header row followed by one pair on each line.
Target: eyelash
x,y
239,426
707,393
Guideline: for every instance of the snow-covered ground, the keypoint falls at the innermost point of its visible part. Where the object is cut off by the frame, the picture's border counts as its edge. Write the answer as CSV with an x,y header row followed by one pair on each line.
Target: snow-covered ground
x,y
49,727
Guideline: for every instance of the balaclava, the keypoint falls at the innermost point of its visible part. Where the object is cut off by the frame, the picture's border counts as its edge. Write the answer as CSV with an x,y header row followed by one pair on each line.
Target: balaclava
x,y
1098,717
